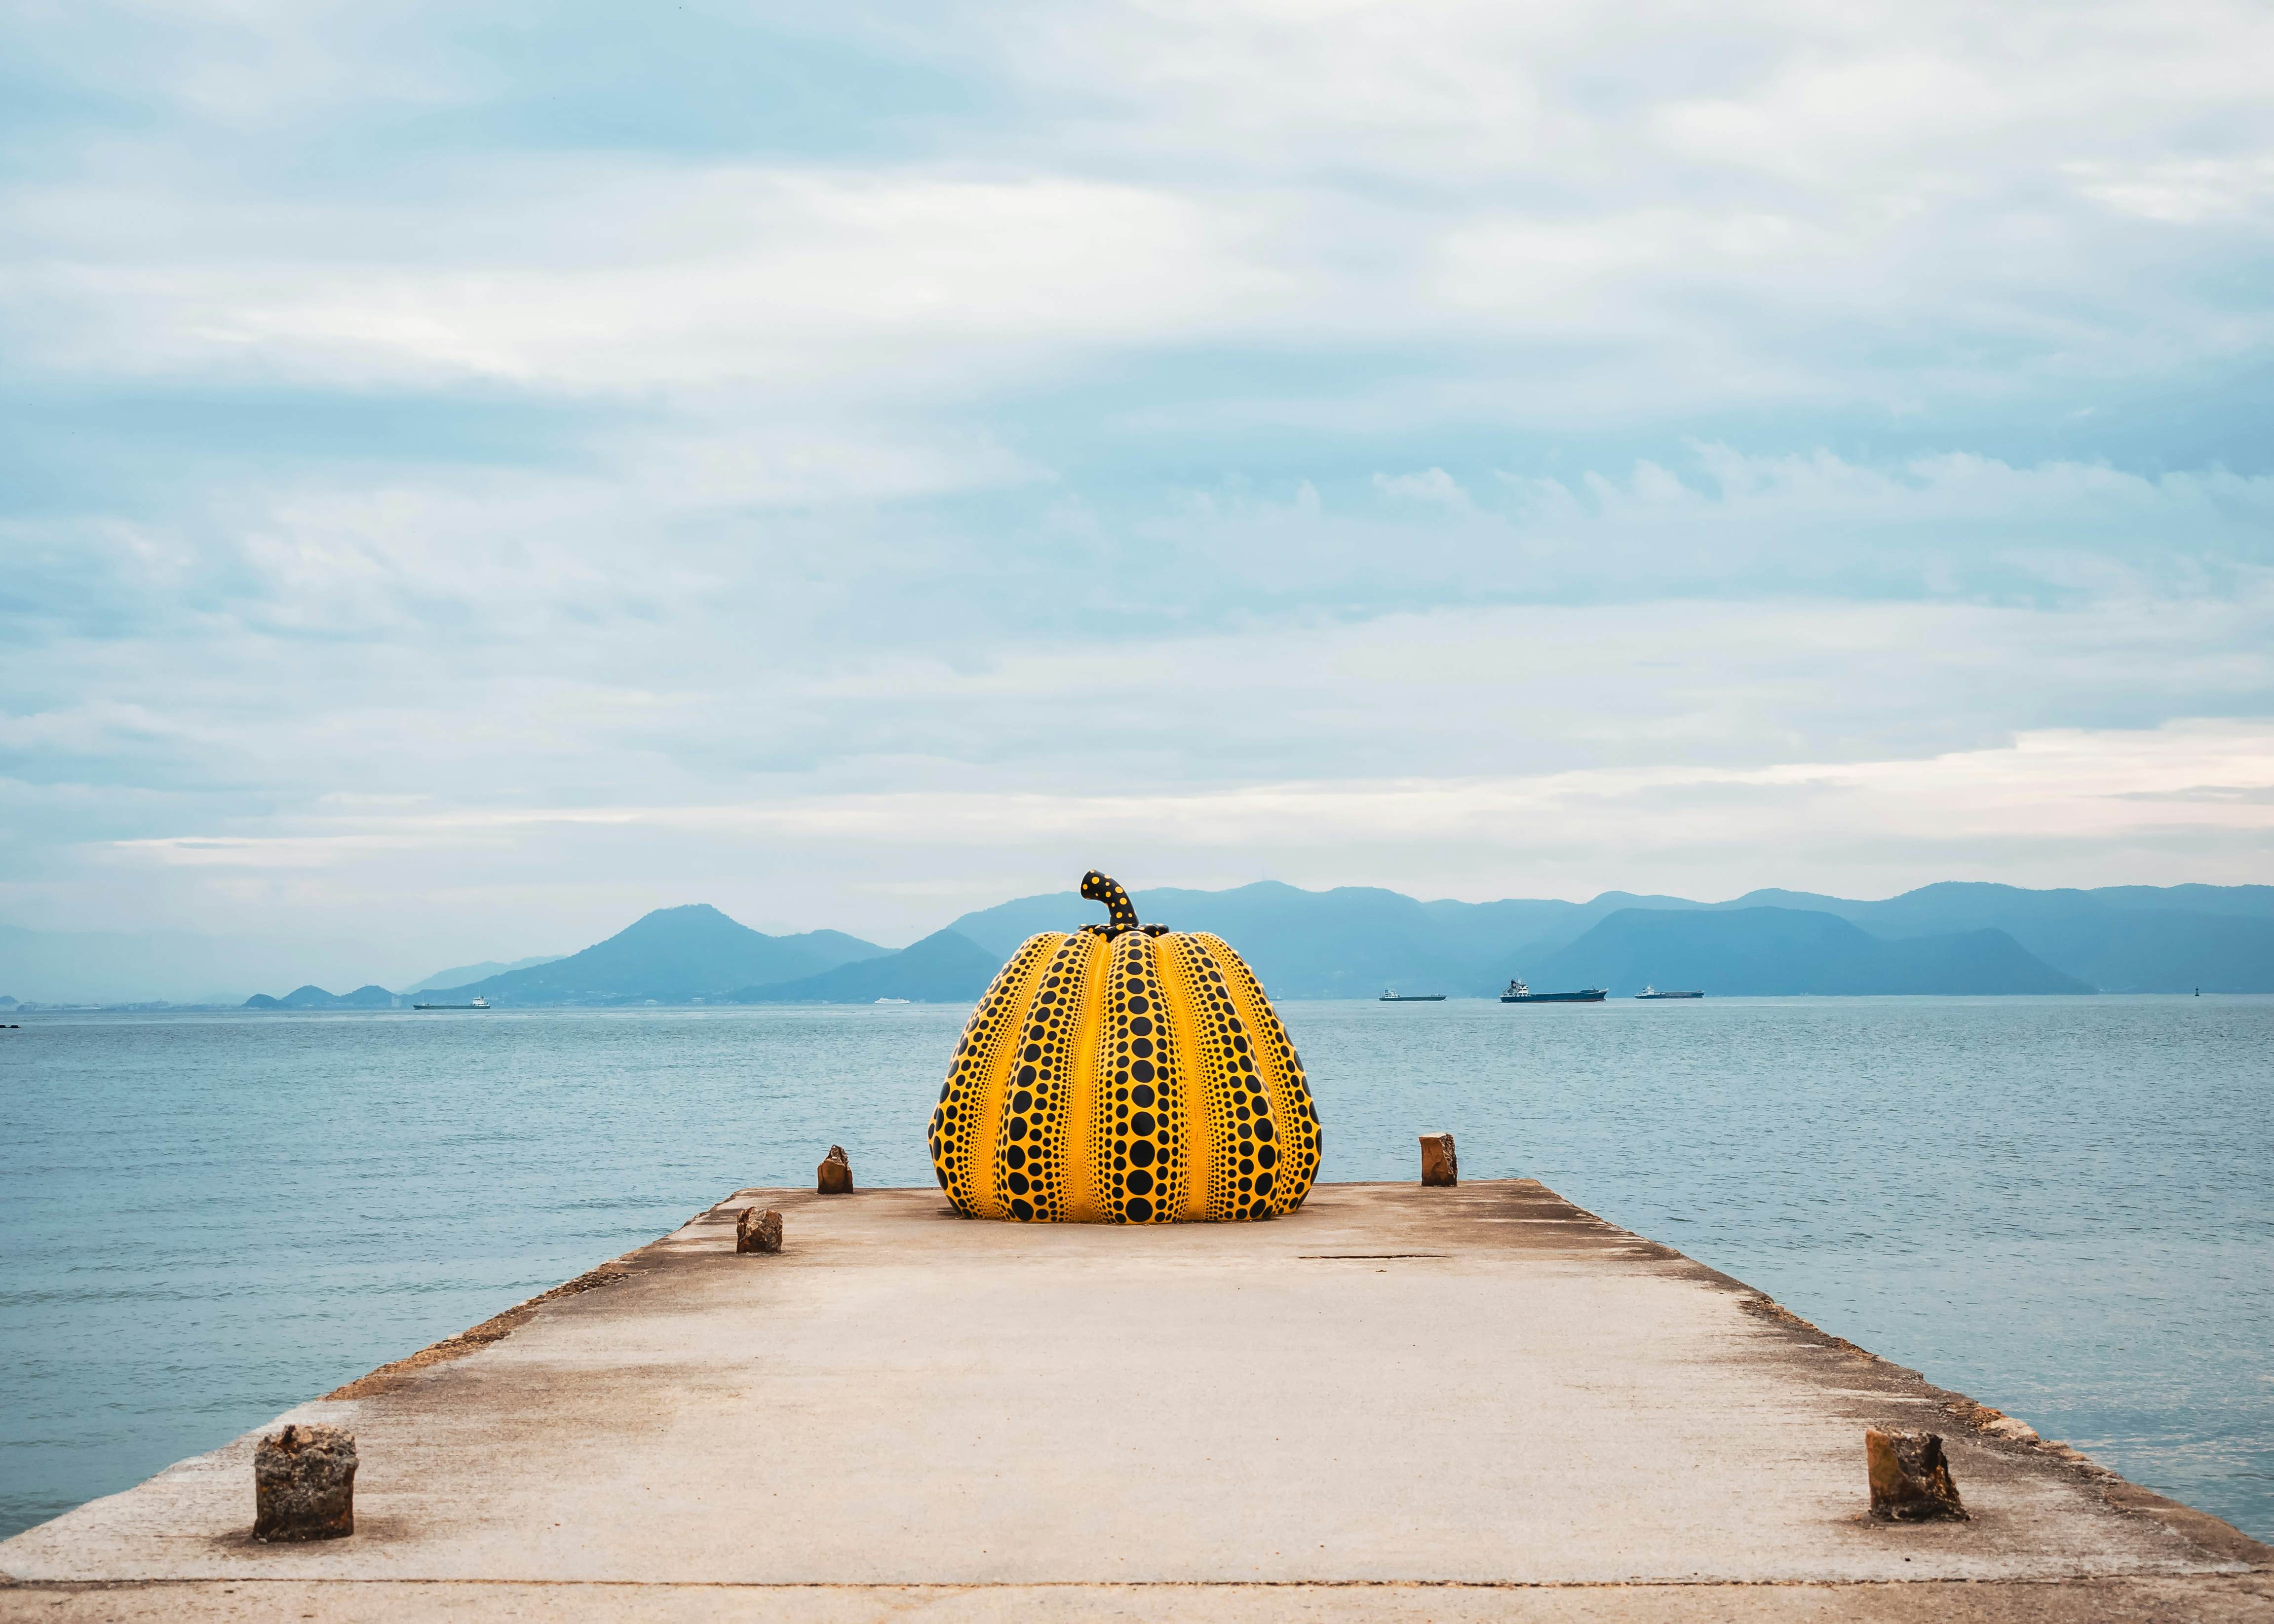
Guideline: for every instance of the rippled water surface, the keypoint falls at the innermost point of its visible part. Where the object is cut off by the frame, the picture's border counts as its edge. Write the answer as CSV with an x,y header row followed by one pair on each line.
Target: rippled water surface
x,y
2063,1207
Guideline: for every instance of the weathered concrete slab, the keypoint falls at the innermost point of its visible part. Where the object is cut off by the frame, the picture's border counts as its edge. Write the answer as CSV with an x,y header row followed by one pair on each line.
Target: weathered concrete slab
x,y
1395,1387
2246,1599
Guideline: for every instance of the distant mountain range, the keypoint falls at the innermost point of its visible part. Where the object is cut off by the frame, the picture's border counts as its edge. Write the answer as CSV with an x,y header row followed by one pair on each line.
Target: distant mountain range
x,y
672,955
1341,943
698,955
1353,941
1783,951
463,975
2119,938
943,968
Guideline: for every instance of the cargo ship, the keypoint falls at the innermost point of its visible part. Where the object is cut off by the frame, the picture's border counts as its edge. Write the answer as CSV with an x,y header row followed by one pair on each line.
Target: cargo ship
x,y
1390,995
1649,991
1518,993
478,1003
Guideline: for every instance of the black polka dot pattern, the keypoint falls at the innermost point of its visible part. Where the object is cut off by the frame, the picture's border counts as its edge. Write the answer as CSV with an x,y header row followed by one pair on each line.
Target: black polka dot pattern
x,y
1297,1140
1143,1134
1243,1157
1124,1074
960,1123
1030,1153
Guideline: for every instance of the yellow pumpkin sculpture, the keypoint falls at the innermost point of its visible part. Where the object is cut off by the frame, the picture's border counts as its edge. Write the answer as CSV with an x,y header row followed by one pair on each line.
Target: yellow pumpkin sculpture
x,y
1126,1073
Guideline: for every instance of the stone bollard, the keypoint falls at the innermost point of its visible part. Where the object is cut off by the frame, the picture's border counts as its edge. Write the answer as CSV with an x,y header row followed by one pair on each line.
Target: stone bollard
x,y
1439,1165
758,1231
1910,1478
303,1485
834,1175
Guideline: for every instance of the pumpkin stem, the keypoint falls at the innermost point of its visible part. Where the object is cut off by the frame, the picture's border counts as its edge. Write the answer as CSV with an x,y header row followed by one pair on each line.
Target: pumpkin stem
x,y
1098,888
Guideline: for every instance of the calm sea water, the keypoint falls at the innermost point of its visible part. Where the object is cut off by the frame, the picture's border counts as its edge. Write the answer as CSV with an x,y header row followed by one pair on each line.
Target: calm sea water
x,y
2062,1206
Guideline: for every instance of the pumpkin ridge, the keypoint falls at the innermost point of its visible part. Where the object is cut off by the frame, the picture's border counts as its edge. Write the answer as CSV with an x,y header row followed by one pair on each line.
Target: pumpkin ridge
x,y
1282,1093
1084,1201
1238,1101
1030,1146
1299,1139
1144,1161
952,1128
1202,1111
1179,1113
1112,1079
1183,1101
985,1071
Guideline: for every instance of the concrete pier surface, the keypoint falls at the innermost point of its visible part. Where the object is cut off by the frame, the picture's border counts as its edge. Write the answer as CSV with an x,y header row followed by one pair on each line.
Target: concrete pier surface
x,y
1399,1403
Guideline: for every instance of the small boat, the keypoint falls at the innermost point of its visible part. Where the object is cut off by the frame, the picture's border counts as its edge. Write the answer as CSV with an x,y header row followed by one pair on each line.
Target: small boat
x,y
1648,991
478,1003
1390,995
1518,993
892,1000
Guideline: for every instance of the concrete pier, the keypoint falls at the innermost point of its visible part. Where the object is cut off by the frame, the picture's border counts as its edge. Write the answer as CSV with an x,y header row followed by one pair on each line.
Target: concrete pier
x,y
1477,1402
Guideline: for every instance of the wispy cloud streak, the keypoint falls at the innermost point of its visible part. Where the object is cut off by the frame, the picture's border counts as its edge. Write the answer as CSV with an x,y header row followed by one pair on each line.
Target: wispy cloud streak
x,y
840,465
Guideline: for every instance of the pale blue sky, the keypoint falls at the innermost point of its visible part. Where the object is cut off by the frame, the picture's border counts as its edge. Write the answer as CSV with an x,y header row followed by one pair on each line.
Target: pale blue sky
x,y
474,471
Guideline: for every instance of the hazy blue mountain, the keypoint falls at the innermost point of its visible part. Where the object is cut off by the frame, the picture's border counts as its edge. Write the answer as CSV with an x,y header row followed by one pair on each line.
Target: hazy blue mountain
x,y
2125,938
999,929
1353,941
313,997
464,973
943,968
1333,944
671,956
2253,901
1486,930
2167,950
1763,952
1349,942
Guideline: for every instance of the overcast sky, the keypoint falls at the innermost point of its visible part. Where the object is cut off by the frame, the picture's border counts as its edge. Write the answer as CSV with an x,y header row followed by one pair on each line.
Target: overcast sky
x,y
473,473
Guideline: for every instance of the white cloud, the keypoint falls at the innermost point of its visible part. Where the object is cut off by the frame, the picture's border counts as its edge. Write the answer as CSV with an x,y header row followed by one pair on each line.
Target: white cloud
x,y
1361,441
2182,191
1434,485
1713,215
779,279
2188,800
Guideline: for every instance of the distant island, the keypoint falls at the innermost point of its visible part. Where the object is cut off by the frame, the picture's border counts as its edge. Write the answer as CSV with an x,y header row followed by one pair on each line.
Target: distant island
x,y
1949,938
372,998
